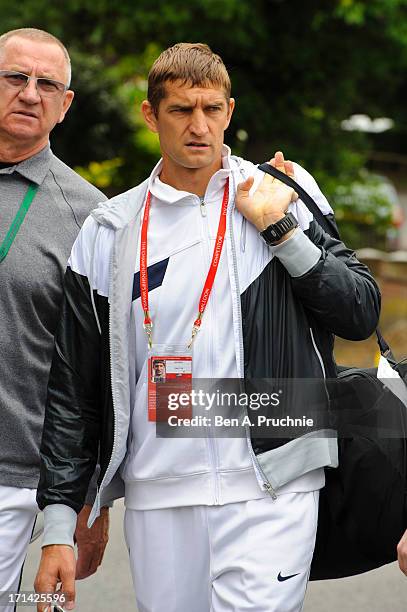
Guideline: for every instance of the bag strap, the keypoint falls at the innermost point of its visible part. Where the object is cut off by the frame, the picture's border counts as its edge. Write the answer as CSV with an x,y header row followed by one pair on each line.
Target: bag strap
x,y
328,225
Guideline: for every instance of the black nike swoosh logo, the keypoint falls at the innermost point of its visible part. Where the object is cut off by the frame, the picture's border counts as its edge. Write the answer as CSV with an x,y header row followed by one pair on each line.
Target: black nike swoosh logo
x,y
281,578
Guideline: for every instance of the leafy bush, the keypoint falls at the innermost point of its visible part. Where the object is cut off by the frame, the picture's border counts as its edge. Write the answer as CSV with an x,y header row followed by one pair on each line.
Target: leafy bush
x,y
364,209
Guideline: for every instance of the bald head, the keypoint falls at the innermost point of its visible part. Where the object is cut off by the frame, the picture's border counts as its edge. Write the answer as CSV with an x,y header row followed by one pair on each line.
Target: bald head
x,y
39,36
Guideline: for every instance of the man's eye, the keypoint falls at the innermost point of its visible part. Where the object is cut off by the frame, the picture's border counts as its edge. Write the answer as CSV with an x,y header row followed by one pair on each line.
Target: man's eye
x,y
47,85
16,79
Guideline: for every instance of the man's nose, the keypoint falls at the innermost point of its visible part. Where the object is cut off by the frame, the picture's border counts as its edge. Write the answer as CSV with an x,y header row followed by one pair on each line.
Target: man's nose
x,y
29,94
199,124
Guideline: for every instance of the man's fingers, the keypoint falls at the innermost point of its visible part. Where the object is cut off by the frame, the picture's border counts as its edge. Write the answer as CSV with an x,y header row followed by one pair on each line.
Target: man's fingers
x,y
95,562
279,157
402,554
102,554
89,559
402,564
45,583
267,178
289,168
57,565
92,541
68,587
284,166
83,562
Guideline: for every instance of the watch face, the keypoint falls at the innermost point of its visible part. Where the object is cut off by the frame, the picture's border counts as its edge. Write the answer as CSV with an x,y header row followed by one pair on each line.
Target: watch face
x,y
277,230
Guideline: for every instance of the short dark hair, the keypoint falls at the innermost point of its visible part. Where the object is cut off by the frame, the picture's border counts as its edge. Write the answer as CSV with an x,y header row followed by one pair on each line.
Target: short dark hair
x,y
193,63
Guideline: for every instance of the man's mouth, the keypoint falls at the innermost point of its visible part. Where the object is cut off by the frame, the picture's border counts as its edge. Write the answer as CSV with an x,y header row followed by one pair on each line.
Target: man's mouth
x,y
26,113
201,145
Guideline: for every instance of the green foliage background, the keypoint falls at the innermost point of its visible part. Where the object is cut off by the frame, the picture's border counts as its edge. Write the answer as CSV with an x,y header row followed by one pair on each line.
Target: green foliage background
x,y
298,69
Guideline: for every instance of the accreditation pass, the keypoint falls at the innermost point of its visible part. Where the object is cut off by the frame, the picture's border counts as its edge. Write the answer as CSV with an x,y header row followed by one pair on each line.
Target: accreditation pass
x,y
168,374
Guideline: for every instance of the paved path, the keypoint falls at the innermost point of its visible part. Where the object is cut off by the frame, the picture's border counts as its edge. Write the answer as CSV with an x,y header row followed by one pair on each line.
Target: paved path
x,y
383,590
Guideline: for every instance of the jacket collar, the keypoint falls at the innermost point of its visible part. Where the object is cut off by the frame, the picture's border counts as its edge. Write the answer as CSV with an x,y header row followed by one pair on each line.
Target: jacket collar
x,y
123,208
170,195
34,168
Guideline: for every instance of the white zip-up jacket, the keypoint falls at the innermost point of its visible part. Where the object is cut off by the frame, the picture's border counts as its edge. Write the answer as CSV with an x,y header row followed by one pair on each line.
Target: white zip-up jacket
x,y
283,306
180,471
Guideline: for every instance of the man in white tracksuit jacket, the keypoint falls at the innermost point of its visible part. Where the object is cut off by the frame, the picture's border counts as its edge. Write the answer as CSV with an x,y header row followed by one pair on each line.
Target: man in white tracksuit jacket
x,y
211,523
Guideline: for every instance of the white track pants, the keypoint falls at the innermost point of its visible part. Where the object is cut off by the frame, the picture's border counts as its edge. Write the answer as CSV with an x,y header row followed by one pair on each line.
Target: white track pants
x,y
18,509
252,555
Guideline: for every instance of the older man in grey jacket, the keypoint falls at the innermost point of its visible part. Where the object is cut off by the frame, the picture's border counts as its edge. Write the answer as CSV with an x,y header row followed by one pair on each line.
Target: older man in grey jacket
x,y
43,204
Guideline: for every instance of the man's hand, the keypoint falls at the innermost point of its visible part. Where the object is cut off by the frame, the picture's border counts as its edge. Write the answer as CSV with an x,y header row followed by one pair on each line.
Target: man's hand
x,y
402,553
57,565
91,542
271,199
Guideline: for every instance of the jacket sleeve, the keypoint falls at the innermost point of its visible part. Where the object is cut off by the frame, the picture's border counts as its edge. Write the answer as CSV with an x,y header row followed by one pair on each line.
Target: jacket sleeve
x,y
70,441
331,283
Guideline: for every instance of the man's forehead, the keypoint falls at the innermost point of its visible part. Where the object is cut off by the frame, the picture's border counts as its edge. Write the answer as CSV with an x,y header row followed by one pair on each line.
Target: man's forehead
x,y
178,91
23,52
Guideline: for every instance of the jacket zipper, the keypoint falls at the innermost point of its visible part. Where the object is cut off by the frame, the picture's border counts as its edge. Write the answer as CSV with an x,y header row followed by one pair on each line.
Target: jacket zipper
x,y
96,509
210,439
112,387
202,206
261,477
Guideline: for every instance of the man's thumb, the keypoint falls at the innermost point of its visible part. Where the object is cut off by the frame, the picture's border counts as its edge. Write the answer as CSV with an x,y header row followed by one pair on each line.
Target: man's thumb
x,y
244,188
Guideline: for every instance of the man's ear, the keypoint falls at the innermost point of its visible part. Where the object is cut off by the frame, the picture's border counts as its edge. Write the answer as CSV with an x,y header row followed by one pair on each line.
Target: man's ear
x,y
231,108
69,96
149,116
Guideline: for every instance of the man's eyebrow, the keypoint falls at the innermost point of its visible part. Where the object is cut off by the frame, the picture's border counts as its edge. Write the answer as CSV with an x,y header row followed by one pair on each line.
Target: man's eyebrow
x,y
219,102
180,106
26,71
185,106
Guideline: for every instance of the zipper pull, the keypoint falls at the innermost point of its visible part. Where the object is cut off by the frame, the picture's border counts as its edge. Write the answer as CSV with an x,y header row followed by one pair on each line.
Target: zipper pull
x,y
270,490
202,206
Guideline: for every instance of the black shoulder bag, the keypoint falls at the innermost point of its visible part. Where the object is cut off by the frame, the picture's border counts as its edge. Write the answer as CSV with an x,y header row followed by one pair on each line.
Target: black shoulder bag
x,y
363,506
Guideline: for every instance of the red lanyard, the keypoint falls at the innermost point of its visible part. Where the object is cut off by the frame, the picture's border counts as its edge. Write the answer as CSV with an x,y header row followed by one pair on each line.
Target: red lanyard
x,y
210,279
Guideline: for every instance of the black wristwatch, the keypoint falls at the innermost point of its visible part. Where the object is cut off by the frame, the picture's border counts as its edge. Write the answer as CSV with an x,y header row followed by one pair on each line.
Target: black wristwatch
x,y
274,232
